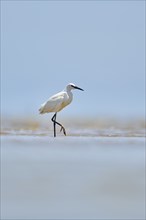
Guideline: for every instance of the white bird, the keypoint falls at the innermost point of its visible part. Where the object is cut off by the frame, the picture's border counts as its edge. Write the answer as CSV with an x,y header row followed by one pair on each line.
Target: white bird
x,y
57,102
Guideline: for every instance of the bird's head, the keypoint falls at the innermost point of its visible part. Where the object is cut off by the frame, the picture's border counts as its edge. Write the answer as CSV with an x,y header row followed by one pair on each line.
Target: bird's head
x,y
71,86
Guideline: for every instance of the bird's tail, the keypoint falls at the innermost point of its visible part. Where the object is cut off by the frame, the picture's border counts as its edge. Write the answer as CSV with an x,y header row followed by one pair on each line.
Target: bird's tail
x,y
41,110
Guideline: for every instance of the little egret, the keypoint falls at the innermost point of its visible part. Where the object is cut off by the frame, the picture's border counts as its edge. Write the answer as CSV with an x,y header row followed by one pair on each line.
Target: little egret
x,y
57,102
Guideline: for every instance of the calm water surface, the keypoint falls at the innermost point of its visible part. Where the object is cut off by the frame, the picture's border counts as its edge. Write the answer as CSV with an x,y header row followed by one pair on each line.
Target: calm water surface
x,y
90,174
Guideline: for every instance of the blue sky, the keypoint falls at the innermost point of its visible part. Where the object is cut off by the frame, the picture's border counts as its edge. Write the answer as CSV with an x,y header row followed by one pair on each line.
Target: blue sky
x,y
98,45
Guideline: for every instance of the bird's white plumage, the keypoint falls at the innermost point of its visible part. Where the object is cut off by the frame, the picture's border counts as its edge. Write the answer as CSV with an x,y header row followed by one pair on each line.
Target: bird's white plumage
x,y
58,101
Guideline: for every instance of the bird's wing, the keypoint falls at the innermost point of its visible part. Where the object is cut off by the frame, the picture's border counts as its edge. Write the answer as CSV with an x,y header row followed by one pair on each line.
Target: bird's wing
x,y
53,104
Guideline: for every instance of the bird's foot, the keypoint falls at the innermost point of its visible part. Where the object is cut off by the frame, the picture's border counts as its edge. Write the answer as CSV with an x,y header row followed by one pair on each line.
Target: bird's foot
x,y
62,128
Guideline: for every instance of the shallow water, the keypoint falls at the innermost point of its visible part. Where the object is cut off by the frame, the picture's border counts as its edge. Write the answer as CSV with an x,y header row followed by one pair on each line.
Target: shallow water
x,y
93,173
72,177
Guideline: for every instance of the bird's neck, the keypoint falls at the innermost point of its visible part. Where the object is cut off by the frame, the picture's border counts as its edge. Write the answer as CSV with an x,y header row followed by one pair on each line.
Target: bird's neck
x,y
68,90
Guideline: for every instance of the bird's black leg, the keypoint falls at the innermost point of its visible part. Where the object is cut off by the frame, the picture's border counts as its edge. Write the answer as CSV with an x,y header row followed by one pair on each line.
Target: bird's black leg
x,y
54,121
62,128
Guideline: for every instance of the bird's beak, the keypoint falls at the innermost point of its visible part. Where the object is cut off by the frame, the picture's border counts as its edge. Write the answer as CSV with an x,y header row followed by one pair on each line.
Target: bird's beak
x,y
76,87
